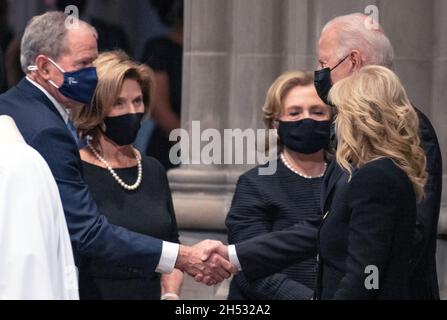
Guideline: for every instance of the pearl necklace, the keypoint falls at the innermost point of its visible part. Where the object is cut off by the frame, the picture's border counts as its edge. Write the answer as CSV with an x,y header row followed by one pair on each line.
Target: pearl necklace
x,y
289,166
117,178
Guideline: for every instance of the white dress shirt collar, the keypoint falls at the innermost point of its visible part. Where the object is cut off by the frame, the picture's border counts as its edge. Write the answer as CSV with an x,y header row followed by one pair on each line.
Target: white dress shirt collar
x,y
65,114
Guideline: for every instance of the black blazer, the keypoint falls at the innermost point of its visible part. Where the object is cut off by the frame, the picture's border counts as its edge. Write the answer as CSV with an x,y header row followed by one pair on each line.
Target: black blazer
x,y
423,276
372,222
44,129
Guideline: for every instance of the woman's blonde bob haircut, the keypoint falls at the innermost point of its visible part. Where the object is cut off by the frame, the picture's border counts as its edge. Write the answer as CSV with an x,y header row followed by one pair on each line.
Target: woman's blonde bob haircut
x,y
274,103
113,69
375,119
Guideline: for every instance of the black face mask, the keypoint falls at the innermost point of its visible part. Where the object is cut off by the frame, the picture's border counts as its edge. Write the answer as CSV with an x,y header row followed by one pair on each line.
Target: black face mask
x,y
305,136
123,130
323,81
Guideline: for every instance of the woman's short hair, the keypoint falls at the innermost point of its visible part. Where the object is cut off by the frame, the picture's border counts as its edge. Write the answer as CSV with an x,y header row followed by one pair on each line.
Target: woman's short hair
x,y
113,69
274,103
375,119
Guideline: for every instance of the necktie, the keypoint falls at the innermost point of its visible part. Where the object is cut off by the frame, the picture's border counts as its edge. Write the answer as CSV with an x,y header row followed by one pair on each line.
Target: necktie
x,y
73,132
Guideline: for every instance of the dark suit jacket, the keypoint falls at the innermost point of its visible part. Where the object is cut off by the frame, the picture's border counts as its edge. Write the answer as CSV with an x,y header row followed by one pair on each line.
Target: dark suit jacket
x,y
44,129
298,242
424,279
372,222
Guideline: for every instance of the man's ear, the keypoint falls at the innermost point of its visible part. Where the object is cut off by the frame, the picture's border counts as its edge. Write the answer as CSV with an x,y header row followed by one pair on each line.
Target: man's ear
x,y
43,67
356,60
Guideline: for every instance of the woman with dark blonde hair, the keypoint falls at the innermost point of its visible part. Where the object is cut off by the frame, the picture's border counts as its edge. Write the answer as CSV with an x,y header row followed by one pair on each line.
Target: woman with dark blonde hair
x,y
365,241
131,189
267,203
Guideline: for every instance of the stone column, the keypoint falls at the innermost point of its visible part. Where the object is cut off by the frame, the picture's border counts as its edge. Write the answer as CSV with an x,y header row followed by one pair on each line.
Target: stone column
x,y
233,51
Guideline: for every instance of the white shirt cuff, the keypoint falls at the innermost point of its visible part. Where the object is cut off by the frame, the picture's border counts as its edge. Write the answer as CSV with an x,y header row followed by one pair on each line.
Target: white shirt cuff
x,y
168,258
232,255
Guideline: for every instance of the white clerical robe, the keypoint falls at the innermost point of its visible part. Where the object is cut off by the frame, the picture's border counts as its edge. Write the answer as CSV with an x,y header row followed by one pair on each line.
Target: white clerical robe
x,y
36,258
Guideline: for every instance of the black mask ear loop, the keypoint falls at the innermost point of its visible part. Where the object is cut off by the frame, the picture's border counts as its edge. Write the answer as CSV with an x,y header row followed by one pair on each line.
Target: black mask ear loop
x,y
329,103
343,60
323,82
333,139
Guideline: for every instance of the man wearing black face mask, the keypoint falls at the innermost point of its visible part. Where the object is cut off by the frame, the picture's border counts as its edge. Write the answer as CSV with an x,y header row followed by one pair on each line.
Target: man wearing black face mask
x,y
371,46
60,78
323,80
367,45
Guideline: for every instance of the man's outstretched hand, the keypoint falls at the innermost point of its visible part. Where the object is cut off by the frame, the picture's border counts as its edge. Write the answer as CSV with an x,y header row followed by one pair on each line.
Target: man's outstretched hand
x,y
206,261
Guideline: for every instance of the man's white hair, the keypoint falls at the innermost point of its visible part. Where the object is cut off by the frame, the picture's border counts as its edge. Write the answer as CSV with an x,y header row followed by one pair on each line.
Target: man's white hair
x,y
359,32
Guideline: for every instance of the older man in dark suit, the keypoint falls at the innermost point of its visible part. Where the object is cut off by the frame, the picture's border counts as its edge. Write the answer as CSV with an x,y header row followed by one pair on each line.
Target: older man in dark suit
x,y
369,45
347,44
57,55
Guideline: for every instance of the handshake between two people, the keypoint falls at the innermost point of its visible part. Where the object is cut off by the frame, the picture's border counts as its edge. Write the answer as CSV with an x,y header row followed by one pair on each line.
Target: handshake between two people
x,y
207,262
